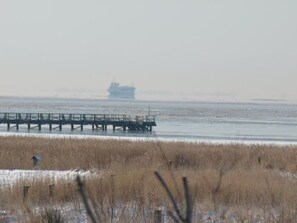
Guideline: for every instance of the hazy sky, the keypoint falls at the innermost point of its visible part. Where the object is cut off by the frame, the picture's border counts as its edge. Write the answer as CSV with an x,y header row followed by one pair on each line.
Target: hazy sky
x,y
231,48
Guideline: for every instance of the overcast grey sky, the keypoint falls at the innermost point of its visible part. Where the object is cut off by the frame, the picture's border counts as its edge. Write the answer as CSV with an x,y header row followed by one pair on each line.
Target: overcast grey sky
x,y
240,49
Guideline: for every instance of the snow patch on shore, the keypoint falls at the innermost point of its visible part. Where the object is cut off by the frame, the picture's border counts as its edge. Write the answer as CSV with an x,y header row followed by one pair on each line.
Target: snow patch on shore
x,y
10,177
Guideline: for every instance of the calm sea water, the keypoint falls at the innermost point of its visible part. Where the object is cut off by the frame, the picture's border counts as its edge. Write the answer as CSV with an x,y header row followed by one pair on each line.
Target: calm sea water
x,y
180,121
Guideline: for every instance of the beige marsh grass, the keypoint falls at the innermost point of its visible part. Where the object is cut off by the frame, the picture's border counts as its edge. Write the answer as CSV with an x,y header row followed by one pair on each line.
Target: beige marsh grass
x,y
253,177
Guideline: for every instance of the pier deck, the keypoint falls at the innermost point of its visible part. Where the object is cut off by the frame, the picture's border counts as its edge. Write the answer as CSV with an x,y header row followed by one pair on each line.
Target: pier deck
x,y
97,121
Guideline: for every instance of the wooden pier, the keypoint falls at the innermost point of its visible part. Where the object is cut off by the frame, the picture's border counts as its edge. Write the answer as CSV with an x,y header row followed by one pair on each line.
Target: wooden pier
x,y
97,121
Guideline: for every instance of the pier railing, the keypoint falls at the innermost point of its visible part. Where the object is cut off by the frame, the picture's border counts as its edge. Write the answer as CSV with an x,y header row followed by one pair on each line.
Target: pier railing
x,y
139,122
73,117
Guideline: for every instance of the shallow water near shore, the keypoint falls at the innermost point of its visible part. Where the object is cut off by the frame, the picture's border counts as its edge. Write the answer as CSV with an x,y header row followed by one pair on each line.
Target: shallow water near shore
x,y
218,122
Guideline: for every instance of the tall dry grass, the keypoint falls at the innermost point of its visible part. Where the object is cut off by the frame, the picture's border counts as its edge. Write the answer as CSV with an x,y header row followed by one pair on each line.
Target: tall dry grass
x,y
235,177
65,154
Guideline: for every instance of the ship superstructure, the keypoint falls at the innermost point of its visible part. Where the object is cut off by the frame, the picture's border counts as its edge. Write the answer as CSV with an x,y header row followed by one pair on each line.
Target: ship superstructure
x,y
117,91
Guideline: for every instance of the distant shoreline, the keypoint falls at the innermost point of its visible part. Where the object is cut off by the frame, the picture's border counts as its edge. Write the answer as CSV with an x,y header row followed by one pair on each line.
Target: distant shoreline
x,y
154,99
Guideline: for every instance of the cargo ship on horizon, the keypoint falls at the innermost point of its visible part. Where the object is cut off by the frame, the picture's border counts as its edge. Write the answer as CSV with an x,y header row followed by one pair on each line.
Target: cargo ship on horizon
x,y
122,92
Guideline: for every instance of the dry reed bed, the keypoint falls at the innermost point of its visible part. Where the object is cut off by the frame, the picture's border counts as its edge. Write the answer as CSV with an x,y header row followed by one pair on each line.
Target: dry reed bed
x,y
65,154
255,176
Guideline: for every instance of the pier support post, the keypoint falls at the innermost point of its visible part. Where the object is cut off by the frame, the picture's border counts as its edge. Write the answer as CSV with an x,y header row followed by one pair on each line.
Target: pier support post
x,y
29,126
60,127
17,126
102,127
113,128
25,193
151,128
125,128
93,127
105,128
51,191
81,127
157,216
97,127
39,127
8,126
50,127
72,127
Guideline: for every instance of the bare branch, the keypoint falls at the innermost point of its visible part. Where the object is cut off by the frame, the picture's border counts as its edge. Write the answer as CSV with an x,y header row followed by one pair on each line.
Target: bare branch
x,y
175,219
169,195
188,201
171,172
85,199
